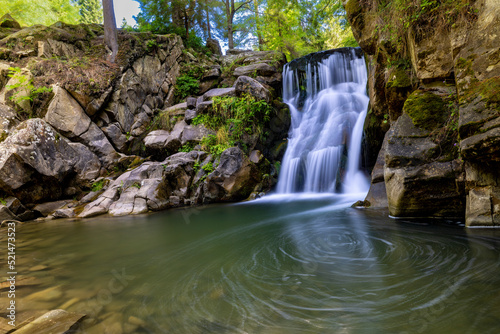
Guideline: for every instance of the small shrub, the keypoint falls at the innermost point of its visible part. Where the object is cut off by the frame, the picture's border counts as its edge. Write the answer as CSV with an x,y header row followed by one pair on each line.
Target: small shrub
x,y
208,168
186,86
97,186
25,91
233,118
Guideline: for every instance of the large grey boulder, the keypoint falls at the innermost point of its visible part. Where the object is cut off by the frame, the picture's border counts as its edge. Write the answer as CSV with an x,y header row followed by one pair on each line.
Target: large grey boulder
x,y
418,184
156,140
247,85
262,69
234,179
66,115
37,163
219,92
8,120
162,143
214,46
152,186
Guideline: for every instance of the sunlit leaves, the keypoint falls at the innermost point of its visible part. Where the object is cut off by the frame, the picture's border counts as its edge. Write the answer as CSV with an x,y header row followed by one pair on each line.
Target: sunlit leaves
x,y
46,12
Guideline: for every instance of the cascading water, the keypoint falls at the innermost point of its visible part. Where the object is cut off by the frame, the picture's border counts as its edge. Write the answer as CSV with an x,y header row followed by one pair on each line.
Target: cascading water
x,y
326,93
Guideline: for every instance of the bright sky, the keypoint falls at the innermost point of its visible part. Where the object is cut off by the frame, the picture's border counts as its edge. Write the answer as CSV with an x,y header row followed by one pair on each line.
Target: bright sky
x,y
125,9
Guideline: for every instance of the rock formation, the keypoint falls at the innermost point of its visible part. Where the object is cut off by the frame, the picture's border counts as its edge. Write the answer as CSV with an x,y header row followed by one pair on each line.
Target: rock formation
x,y
82,137
435,81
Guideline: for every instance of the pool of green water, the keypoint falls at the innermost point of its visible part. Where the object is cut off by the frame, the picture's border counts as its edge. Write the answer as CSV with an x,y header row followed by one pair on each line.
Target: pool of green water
x,y
288,265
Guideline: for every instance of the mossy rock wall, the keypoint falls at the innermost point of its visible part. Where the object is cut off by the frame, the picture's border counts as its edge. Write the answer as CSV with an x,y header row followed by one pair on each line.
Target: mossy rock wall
x,y
441,69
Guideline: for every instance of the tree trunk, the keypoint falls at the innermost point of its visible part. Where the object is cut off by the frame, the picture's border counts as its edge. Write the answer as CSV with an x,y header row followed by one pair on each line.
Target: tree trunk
x,y
257,24
230,42
208,19
110,35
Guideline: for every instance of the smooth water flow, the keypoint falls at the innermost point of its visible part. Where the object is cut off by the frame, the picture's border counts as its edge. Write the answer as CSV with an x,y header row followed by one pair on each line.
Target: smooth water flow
x,y
326,93
308,265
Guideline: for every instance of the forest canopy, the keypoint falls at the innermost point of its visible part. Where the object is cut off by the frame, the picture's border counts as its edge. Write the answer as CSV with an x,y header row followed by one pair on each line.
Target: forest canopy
x,y
294,27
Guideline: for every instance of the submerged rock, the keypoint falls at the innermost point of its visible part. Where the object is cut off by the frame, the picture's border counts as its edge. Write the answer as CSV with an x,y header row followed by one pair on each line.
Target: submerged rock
x,y
53,322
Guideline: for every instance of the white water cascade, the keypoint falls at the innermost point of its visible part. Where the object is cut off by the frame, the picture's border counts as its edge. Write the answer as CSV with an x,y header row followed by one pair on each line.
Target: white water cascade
x,y
326,93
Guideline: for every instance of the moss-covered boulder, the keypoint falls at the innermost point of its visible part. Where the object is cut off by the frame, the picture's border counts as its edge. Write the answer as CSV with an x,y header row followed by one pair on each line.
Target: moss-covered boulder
x,y
426,110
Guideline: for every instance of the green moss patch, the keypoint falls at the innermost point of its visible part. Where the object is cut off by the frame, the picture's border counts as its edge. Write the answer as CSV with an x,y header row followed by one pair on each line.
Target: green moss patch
x,y
399,79
426,110
488,90
352,7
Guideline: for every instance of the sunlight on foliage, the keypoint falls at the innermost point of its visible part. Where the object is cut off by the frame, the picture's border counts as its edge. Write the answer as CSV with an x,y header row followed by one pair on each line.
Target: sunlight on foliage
x,y
47,12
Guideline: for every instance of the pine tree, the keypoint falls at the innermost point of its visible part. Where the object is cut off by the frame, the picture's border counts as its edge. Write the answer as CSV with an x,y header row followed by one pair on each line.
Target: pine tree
x,y
90,11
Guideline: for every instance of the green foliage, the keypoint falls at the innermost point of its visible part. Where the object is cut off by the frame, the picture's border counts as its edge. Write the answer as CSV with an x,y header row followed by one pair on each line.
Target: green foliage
x,y
195,42
186,86
90,11
293,27
232,119
136,185
301,27
187,148
151,44
399,79
97,186
24,92
277,167
47,12
208,168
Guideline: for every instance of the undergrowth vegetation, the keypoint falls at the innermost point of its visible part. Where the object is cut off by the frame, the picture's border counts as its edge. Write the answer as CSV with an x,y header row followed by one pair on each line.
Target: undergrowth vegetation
x,y
24,92
233,119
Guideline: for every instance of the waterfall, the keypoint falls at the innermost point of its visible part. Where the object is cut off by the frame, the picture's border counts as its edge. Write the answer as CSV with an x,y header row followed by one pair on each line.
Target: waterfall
x,y
326,93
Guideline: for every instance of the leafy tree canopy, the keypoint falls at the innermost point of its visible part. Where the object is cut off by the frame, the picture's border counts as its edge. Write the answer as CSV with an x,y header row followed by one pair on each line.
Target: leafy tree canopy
x,y
90,11
46,12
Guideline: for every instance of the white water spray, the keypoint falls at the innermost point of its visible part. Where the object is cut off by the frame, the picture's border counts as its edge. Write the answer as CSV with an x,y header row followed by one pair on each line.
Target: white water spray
x,y
328,103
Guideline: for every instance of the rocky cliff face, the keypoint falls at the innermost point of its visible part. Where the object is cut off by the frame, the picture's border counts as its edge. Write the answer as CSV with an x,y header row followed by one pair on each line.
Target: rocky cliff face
x,y
434,88
91,137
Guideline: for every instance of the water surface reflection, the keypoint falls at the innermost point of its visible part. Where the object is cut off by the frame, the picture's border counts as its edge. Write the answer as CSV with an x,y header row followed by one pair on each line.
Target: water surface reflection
x,y
306,265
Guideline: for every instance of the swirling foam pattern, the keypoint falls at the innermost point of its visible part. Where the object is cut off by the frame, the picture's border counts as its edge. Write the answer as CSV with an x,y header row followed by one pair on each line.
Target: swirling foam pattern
x,y
283,266
336,271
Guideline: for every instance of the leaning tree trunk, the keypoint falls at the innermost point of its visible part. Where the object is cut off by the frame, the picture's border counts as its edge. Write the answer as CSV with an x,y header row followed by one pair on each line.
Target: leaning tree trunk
x,y
110,35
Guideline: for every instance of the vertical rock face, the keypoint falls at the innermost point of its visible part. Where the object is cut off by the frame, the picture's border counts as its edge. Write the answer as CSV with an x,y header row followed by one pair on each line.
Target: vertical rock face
x,y
437,86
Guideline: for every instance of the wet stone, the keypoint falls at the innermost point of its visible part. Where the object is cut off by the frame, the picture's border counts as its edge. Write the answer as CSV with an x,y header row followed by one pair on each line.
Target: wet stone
x,y
39,267
53,322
